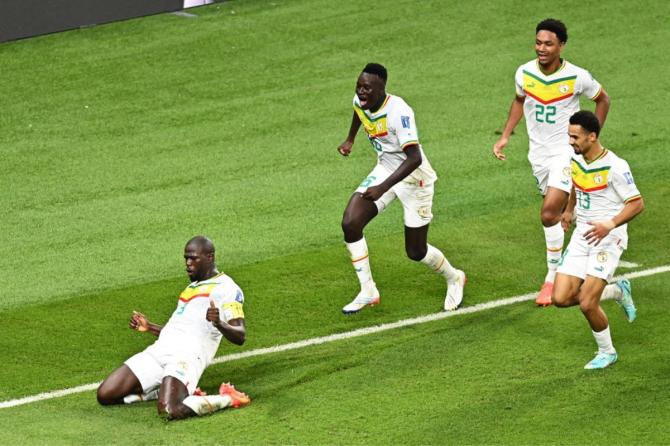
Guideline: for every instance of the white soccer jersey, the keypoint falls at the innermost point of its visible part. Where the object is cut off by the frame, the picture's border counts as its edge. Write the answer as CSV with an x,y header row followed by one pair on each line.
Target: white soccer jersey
x,y
390,129
550,100
602,187
188,330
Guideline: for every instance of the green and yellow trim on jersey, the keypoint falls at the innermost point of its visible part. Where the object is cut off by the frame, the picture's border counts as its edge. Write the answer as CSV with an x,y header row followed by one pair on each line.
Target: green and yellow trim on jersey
x,y
199,290
589,180
374,127
548,92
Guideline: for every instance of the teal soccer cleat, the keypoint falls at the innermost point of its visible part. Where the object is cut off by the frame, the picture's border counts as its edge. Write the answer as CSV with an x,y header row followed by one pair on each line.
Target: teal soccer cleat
x,y
626,301
601,361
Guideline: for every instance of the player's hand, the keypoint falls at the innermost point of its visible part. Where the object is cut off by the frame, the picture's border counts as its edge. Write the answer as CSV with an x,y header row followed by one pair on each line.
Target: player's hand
x,y
566,220
498,148
598,231
138,322
373,193
345,148
213,315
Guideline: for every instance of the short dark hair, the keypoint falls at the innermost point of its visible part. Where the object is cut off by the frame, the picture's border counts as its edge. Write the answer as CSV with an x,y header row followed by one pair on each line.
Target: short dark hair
x,y
587,120
378,69
555,26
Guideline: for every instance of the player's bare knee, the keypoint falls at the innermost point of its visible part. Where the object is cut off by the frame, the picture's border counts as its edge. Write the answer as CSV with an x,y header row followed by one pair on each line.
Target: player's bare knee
x,y
559,301
351,228
549,217
104,396
416,254
172,412
587,305
162,407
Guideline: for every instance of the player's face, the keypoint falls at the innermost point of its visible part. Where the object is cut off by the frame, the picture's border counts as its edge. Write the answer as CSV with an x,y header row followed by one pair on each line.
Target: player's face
x,y
370,90
581,140
198,263
547,47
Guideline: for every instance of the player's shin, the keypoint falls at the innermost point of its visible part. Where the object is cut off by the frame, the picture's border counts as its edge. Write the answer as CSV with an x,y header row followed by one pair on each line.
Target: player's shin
x,y
136,398
360,259
553,237
436,261
203,405
604,341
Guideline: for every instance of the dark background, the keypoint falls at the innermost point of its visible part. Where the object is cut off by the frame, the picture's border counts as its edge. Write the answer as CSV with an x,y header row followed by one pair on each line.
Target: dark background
x,y
25,18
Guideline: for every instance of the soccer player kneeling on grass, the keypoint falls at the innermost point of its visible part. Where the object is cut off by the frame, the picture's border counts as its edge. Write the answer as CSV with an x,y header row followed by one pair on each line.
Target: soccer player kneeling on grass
x,y
604,198
169,369
402,172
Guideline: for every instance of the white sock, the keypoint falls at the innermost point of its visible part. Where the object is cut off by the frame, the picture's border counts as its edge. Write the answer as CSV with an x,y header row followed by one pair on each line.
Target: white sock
x,y
612,291
436,261
604,341
361,262
553,237
146,396
203,405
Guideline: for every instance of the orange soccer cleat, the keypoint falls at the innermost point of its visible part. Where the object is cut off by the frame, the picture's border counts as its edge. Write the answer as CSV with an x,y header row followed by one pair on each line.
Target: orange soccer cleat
x,y
544,298
238,398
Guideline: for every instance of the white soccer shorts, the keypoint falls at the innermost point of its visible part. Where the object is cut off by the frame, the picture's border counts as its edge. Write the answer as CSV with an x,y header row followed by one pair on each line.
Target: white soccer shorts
x,y
581,259
416,199
553,172
157,361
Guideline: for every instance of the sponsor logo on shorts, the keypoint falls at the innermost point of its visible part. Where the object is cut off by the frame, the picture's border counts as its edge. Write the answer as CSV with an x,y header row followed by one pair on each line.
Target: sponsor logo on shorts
x,y
602,257
600,268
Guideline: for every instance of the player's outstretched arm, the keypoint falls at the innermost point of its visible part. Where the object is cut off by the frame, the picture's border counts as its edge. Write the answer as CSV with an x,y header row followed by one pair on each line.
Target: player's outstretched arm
x,y
408,166
345,147
139,322
513,118
600,229
602,107
233,330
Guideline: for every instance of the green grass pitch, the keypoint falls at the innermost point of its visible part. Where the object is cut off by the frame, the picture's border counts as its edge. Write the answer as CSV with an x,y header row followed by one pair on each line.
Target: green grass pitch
x,y
120,142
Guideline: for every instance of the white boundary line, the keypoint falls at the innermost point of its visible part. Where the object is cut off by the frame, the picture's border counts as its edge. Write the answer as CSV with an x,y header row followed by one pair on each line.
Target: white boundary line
x,y
331,338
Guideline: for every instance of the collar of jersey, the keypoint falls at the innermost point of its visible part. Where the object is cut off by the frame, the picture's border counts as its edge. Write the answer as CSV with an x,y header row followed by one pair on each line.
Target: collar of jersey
x,y
205,282
537,64
601,156
379,110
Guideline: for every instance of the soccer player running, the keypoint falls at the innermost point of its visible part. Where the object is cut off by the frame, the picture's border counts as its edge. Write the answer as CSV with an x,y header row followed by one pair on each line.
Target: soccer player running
x,y
605,199
402,172
547,94
169,370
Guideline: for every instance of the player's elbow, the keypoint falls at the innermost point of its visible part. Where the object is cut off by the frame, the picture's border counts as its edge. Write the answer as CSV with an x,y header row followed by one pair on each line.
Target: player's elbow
x,y
640,205
239,339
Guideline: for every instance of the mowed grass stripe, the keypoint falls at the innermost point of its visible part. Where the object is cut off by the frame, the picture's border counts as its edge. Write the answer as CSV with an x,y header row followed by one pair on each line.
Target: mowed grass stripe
x,y
332,338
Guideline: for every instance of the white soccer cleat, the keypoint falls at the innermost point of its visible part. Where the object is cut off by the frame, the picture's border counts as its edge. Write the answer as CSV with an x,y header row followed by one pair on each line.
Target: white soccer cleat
x,y
455,292
364,298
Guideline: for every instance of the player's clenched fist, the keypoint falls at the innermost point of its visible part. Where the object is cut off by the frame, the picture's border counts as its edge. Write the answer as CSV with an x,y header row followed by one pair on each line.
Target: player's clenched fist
x,y
138,322
212,312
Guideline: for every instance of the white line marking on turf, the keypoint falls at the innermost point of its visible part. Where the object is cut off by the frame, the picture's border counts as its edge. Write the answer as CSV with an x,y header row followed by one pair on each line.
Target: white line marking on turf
x,y
330,338
624,264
